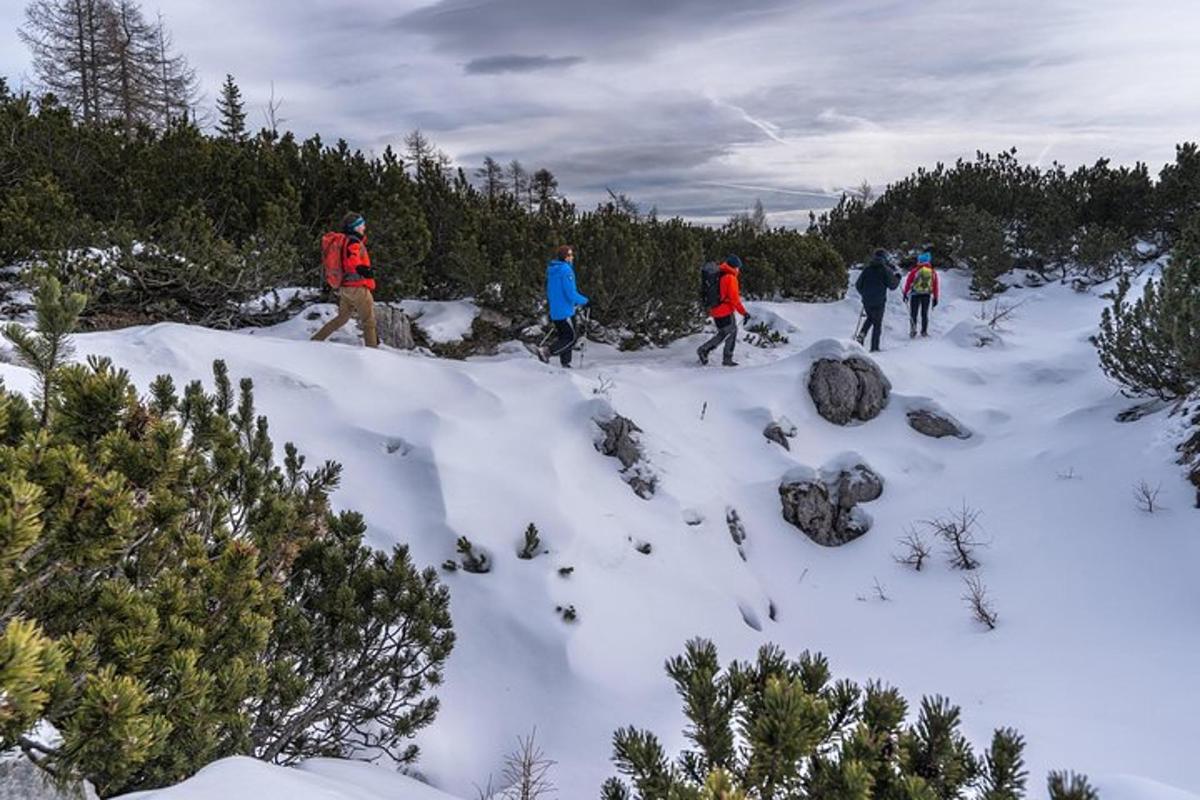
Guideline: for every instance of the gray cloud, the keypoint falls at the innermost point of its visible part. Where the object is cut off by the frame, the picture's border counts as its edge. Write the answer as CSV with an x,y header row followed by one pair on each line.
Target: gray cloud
x,y
494,65
700,106
483,25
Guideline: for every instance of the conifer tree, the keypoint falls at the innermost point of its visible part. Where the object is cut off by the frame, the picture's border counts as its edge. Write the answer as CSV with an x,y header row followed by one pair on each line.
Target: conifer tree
x,y
778,728
164,584
46,349
1152,345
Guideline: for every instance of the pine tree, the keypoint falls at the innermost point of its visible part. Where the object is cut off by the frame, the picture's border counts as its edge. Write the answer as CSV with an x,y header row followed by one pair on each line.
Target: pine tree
x,y
163,583
777,728
232,110
1003,769
362,636
1070,786
1152,346
544,187
45,350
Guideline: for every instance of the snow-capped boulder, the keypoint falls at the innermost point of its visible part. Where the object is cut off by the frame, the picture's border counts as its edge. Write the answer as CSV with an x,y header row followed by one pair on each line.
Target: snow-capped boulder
x,y
853,388
936,423
778,433
824,505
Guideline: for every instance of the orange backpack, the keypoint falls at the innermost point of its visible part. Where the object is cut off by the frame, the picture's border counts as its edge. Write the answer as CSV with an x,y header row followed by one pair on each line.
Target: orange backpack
x,y
333,257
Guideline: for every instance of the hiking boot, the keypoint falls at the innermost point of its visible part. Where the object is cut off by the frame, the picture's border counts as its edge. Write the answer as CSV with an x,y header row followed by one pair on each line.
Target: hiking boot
x,y
703,355
729,362
924,334
862,337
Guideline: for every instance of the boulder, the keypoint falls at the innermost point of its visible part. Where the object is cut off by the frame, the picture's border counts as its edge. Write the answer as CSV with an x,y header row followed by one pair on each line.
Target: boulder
x,y
936,424
394,326
825,505
775,434
620,441
21,779
848,389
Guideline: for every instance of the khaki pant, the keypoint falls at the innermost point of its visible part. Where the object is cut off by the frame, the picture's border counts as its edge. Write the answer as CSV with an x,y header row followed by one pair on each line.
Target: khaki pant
x,y
353,301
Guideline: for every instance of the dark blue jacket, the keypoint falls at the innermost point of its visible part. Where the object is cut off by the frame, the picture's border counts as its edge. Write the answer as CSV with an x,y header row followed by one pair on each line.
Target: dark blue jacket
x,y
875,282
561,292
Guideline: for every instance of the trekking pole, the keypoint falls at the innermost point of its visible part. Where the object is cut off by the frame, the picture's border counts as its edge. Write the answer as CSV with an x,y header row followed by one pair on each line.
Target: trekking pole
x,y
862,314
587,322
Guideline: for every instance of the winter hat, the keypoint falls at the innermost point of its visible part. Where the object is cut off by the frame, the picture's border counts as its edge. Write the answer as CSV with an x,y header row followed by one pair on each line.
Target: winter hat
x,y
925,258
352,221
734,262
881,254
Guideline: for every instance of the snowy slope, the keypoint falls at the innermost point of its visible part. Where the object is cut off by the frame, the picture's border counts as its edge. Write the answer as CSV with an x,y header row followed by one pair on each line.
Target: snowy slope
x,y
1094,658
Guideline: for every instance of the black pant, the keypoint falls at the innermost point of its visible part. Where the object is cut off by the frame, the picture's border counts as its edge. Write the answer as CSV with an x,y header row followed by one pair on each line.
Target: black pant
x,y
727,333
874,324
919,302
564,345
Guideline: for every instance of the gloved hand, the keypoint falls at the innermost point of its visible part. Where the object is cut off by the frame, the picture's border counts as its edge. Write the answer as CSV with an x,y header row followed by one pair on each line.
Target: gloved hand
x,y
935,302
904,297
745,318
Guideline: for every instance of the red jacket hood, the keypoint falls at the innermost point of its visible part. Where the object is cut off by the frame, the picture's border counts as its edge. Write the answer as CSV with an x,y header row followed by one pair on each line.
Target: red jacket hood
x,y
731,270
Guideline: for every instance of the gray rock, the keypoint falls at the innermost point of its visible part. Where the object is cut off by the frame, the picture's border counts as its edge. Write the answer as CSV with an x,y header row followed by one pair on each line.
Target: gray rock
x,y
775,434
20,779
825,506
850,389
394,326
620,441
939,426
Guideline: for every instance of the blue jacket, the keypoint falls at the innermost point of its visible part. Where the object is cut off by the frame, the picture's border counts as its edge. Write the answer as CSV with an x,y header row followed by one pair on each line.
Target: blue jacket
x,y
561,291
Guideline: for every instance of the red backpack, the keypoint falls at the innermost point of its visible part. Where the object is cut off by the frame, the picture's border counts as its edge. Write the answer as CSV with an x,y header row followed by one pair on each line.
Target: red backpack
x,y
333,257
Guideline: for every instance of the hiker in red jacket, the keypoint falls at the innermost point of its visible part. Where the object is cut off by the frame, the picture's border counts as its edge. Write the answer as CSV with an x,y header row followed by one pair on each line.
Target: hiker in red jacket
x,y
722,313
356,295
923,285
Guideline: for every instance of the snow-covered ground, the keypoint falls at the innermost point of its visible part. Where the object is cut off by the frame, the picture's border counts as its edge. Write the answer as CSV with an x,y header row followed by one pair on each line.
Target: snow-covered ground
x,y
1094,659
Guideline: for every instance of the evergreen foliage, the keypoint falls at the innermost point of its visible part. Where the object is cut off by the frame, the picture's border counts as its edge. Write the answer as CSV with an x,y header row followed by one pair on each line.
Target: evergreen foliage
x,y
994,212
779,728
168,223
531,547
167,589
1151,346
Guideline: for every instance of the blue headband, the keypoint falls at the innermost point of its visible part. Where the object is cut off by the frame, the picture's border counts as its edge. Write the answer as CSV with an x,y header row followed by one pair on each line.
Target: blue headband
x,y
358,221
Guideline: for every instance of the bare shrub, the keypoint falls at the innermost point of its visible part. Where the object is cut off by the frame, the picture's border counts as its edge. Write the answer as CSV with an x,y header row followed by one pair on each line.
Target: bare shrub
x,y
1146,497
916,550
977,600
959,531
527,771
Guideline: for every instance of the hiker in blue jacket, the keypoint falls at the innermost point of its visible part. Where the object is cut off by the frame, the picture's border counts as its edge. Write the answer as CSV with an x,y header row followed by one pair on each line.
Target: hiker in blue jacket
x,y
564,299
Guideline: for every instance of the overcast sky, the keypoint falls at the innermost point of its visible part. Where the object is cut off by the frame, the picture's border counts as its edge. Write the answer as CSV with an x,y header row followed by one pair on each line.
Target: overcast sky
x,y
700,106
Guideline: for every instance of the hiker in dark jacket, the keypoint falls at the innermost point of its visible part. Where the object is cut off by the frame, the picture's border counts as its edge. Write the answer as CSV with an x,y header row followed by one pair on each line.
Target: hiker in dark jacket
x,y
873,284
